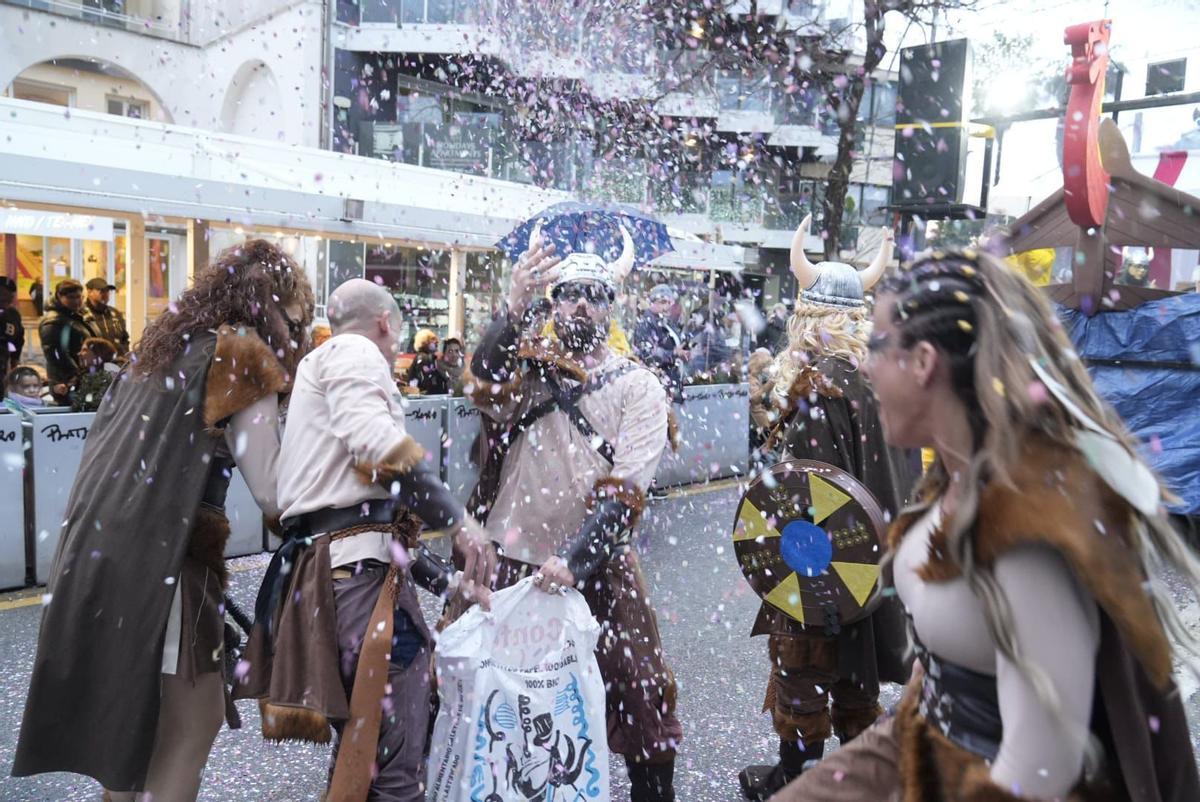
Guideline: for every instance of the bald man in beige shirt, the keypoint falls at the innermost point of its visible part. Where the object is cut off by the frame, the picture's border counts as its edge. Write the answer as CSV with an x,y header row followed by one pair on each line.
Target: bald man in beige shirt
x,y
351,647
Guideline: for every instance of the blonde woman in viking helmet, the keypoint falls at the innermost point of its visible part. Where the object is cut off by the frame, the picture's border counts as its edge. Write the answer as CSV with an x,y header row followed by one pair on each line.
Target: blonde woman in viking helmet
x,y
828,414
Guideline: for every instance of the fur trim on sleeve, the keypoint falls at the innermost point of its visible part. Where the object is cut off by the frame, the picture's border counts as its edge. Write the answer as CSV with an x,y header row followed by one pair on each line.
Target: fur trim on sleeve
x,y
624,491
673,435
242,371
407,454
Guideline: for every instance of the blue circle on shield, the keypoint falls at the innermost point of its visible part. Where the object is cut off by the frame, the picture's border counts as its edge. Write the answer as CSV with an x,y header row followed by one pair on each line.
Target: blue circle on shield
x,y
806,548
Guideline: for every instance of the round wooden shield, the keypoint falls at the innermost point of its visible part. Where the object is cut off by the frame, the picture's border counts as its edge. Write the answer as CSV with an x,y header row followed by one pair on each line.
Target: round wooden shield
x,y
808,537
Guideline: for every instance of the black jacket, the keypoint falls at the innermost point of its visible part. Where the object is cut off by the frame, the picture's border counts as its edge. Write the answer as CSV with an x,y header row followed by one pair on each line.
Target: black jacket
x,y
12,340
426,373
775,336
63,332
655,345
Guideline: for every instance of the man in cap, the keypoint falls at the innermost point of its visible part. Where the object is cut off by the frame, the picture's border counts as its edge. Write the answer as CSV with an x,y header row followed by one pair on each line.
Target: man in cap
x,y
12,331
658,344
829,414
582,431
107,321
62,331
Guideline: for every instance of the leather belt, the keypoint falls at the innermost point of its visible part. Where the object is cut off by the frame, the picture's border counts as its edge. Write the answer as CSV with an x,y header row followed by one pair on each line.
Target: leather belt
x,y
371,511
962,704
297,534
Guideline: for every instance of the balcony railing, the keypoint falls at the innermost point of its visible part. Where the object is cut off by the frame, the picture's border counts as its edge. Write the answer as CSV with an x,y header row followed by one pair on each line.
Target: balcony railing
x,y
424,12
164,20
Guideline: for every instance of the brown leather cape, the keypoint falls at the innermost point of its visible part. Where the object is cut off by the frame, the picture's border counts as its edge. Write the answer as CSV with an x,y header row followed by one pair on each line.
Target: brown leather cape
x,y
1055,499
94,697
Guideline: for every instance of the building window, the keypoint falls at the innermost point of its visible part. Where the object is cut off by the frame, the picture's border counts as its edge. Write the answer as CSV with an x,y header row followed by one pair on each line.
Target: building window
x,y
1166,76
128,107
40,92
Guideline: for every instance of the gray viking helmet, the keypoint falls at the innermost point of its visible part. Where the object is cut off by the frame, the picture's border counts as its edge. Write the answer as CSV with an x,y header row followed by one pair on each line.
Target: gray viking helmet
x,y
834,284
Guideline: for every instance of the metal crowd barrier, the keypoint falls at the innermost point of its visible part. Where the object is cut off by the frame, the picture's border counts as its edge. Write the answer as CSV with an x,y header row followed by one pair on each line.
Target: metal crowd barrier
x,y
39,458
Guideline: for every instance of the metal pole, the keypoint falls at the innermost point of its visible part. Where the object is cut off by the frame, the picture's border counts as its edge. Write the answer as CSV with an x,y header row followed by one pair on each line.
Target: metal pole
x,y
1155,102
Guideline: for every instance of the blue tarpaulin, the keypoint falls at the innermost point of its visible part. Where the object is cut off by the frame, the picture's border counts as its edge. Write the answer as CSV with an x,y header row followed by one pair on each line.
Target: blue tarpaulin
x,y
1146,363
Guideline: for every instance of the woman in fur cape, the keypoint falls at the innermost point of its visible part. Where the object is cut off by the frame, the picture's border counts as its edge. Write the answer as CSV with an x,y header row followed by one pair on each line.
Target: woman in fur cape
x,y
1028,569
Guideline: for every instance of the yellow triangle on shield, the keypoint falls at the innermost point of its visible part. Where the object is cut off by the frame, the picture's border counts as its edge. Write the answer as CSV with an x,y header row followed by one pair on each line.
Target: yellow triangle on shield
x,y
754,525
786,597
826,498
860,578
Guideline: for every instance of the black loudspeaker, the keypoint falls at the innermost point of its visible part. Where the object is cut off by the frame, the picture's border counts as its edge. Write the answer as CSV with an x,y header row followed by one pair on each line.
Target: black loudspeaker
x,y
931,135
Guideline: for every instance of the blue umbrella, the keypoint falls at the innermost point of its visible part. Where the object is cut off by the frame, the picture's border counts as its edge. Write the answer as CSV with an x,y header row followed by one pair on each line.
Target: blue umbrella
x,y
577,227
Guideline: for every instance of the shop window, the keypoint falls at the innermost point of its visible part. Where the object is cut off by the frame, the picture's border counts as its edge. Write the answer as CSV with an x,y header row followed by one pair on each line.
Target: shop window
x,y
419,280
1166,76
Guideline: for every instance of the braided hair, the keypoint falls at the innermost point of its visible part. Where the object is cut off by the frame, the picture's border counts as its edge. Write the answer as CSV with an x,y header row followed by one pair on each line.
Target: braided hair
x,y
1004,344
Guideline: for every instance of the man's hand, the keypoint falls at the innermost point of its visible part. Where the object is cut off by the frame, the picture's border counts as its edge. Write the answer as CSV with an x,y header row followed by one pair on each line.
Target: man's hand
x,y
537,267
479,556
474,593
683,352
554,576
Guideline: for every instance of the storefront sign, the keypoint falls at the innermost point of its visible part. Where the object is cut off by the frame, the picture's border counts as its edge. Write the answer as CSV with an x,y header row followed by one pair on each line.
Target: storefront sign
x,y
54,224
12,501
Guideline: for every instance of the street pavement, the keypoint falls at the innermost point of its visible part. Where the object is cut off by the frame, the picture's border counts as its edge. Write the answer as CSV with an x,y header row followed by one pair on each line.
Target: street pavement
x,y
705,612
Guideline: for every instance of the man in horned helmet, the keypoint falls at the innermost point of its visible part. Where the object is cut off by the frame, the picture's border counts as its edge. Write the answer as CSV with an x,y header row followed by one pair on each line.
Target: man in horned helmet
x,y
829,414
581,432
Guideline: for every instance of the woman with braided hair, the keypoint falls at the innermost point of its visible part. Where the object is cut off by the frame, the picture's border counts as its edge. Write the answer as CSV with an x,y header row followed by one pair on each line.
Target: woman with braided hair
x,y
1027,568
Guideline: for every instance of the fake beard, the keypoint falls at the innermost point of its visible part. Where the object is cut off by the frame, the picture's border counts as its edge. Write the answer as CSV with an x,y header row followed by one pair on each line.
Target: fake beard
x,y
578,333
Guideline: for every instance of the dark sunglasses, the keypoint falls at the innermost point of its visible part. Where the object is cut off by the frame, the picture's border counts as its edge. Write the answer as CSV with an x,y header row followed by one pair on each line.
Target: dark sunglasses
x,y
594,294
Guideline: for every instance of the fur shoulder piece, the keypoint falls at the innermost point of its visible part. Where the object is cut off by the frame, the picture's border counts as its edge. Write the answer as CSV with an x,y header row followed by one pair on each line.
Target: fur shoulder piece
x,y
811,380
242,371
546,352
1056,499
540,353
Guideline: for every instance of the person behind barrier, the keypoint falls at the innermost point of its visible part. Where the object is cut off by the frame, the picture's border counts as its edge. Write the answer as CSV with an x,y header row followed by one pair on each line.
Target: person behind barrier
x,y
425,373
12,330
128,682
657,342
580,435
1029,566
97,360
339,638
104,318
825,678
62,331
24,387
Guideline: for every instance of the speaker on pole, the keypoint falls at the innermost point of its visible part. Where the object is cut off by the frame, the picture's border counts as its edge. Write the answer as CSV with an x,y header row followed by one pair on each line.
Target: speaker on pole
x,y
931,136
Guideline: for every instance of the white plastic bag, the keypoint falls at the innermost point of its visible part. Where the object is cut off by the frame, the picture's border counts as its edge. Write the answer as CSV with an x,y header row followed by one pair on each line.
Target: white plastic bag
x,y
522,703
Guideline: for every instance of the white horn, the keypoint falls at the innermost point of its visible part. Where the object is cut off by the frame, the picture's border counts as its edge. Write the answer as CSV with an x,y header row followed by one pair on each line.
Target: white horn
x,y
623,265
871,274
802,269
